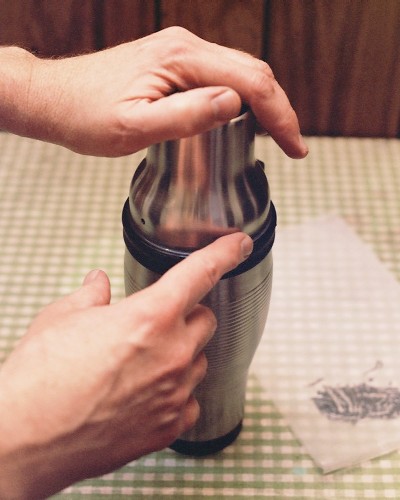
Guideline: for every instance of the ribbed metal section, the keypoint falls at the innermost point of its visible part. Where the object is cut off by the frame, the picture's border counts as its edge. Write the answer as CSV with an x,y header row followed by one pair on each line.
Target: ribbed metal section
x,y
240,304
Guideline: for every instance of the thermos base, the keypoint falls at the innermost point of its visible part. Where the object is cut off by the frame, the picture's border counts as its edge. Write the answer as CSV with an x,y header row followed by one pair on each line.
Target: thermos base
x,y
202,448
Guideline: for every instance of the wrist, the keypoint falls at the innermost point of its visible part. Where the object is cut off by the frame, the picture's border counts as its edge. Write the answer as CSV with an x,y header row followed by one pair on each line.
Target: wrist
x,y
16,66
28,467
12,484
28,94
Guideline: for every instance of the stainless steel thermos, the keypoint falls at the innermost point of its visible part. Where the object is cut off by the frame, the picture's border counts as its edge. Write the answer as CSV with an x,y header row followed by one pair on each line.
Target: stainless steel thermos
x,y
184,195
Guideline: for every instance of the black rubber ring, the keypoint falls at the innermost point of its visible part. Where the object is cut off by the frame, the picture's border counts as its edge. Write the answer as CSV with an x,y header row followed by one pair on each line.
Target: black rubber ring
x,y
159,259
203,448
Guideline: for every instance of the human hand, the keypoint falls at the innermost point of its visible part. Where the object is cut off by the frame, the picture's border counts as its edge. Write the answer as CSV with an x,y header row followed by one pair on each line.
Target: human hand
x,y
168,85
93,386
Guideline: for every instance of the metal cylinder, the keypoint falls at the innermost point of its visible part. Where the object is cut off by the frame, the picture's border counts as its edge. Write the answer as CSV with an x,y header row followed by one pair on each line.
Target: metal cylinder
x,y
184,195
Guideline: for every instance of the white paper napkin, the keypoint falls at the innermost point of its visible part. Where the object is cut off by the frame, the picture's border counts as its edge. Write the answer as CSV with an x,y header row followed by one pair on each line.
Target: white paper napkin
x,y
330,354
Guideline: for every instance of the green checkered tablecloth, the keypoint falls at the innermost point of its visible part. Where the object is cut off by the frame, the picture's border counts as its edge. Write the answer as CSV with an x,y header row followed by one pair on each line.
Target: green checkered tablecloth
x,y
60,217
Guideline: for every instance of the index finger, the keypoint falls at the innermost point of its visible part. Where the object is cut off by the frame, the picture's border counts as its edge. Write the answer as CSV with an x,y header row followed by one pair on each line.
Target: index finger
x,y
196,275
254,81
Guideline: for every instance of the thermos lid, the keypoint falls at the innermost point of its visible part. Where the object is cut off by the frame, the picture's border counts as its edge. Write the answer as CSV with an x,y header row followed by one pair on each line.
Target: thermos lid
x,y
188,192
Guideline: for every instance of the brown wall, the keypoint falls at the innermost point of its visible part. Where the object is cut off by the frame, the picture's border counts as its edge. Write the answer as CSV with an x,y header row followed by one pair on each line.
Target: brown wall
x,y
54,27
338,60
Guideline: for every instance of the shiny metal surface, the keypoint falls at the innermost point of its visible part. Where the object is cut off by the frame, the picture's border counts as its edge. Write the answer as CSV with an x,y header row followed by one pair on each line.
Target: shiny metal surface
x,y
240,304
187,192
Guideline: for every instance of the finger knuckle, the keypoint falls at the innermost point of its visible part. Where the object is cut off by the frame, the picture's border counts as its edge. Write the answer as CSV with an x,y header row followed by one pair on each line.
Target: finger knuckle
x,y
209,317
263,82
169,422
285,121
178,41
177,32
182,418
159,310
211,272
174,406
202,366
182,360
175,397
192,414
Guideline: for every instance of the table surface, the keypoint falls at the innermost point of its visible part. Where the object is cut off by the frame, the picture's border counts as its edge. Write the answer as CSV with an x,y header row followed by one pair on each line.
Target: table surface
x,y
60,216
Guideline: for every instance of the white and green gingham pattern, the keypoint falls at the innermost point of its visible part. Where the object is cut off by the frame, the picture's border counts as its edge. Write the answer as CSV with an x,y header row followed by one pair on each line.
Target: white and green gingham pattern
x,y
60,217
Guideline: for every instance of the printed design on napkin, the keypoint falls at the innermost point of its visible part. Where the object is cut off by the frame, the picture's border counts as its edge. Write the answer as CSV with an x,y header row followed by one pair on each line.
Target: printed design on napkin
x,y
351,403
354,402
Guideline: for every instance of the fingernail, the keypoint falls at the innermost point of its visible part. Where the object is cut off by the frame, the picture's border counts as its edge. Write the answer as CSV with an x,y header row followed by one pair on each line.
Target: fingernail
x,y
303,145
225,105
247,247
91,276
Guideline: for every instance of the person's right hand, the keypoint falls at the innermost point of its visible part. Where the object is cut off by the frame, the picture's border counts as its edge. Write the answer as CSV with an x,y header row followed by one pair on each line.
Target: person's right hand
x,y
93,386
167,85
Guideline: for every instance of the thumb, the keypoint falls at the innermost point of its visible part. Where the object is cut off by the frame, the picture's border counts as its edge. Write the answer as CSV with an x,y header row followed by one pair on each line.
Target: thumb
x,y
184,114
95,290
